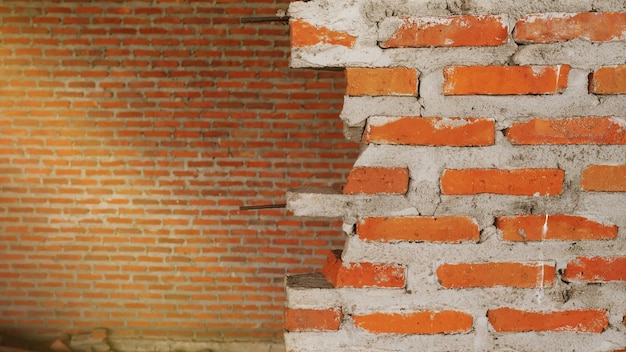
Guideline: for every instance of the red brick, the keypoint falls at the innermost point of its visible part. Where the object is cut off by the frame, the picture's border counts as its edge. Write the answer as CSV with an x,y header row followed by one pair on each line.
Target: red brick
x,y
377,180
520,275
513,320
504,80
433,131
450,229
453,31
304,34
577,130
381,81
553,227
422,322
604,178
552,28
608,80
313,319
520,182
362,274
596,269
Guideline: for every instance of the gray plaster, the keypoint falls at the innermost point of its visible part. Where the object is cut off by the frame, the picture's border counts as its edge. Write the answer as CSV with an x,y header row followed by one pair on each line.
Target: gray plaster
x,y
609,5
578,53
326,202
370,55
351,339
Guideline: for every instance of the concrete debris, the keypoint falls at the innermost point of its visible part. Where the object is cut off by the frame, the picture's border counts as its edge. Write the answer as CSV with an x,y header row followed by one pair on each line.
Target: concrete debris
x,y
92,341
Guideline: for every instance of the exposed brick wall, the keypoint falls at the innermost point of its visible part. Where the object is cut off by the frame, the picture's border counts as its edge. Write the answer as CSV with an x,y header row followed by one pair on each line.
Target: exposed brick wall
x,y
486,210
130,133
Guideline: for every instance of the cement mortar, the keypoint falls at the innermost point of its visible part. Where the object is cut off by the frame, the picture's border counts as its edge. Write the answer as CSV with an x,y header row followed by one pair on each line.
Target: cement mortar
x,y
577,53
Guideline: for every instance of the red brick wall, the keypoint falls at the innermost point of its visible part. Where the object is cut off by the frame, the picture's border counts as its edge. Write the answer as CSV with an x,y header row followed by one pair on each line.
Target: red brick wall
x,y
130,133
486,209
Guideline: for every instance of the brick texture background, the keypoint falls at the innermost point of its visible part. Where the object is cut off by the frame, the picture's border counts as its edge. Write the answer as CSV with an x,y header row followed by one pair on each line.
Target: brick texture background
x,y
130,133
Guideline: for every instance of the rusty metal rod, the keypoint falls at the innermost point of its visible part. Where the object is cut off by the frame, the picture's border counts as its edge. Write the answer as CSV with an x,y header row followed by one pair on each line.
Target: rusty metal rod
x,y
267,206
264,19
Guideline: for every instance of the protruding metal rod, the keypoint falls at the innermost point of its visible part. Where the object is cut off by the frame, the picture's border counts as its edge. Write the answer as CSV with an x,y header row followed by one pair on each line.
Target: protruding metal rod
x,y
283,19
266,206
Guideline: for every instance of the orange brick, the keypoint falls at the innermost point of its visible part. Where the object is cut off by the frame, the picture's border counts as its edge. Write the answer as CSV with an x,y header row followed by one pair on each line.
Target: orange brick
x,y
453,31
434,131
521,182
304,34
608,80
422,322
578,130
381,81
553,227
504,80
362,274
520,275
376,180
450,229
513,320
313,319
604,178
551,28
596,269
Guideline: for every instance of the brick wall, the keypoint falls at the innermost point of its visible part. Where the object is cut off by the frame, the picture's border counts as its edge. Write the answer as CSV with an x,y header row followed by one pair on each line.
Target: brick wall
x,y
486,210
130,133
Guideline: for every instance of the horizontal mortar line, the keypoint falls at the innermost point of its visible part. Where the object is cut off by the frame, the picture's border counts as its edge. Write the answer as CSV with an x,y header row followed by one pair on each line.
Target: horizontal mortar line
x,y
475,302
493,250
522,341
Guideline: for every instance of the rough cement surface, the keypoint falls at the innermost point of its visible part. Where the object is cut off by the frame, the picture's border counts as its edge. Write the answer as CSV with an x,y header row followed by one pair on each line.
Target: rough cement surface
x,y
352,339
310,202
375,11
609,5
578,53
422,59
